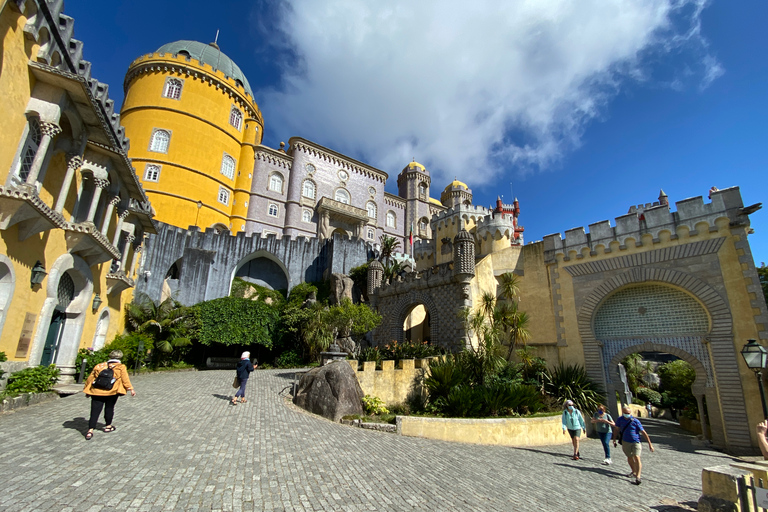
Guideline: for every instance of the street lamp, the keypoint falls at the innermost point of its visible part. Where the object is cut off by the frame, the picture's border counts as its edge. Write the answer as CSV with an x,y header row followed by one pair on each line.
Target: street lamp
x,y
96,302
755,355
199,205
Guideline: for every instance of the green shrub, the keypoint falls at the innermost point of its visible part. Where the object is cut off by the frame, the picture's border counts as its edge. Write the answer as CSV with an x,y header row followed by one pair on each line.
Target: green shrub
x,y
410,350
3,357
92,357
649,395
289,359
374,405
371,354
571,382
241,288
232,321
443,376
129,344
35,379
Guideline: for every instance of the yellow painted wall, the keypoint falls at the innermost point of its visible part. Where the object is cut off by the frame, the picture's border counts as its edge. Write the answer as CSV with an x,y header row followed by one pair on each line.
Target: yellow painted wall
x,y
200,136
391,385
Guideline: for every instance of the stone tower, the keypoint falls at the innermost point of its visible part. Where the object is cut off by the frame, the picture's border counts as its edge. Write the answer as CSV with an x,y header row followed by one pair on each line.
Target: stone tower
x,y
464,256
413,185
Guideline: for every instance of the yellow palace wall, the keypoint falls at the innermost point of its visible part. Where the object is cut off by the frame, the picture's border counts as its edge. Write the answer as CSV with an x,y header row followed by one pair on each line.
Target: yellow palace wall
x,y
200,136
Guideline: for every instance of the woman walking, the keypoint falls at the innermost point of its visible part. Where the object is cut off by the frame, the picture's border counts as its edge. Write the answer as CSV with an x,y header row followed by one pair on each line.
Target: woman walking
x,y
244,369
604,426
573,422
104,385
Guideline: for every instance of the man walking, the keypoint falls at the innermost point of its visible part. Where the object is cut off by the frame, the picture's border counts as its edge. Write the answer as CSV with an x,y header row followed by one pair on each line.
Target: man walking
x,y
627,431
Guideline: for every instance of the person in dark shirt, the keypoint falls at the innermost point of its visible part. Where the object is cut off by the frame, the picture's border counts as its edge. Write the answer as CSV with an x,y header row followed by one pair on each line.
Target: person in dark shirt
x,y
244,369
628,429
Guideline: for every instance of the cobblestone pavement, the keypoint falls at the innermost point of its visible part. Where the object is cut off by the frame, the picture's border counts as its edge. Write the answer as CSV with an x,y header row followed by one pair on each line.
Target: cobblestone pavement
x,y
179,445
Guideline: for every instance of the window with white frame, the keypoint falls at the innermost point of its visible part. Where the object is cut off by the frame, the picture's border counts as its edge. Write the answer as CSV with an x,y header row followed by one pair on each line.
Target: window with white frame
x,y
236,118
31,145
276,183
223,196
306,216
228,166
160,141
391,220
308,190
342,196
423,225
172,88
152,172
272,210
423,189
371,207
371,233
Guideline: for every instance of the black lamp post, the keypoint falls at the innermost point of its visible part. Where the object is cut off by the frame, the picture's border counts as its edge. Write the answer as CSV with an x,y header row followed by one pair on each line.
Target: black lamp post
x,y
38,274
755,355
96,302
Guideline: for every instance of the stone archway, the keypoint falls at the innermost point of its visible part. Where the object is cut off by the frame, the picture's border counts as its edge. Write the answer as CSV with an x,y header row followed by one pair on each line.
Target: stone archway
x,y
102,326
403,308
262,268
728,416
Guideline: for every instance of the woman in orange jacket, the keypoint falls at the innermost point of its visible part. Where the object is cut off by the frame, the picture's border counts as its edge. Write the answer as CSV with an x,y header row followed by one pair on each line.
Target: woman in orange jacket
x,y
106,399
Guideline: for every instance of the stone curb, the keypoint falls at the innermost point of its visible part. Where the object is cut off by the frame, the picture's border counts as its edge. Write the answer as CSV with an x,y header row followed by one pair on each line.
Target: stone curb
x,y
26,399
381,427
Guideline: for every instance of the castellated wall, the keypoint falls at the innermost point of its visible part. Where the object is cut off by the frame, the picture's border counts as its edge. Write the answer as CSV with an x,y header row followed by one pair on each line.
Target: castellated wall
x,y
208,260
394,383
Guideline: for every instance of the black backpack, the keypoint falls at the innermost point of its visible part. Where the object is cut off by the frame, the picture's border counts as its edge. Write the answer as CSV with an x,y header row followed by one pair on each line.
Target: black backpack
x,y
105,379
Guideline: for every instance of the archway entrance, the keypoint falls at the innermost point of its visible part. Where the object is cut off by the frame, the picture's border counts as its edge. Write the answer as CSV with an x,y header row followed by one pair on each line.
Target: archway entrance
x,y
416,325
263,269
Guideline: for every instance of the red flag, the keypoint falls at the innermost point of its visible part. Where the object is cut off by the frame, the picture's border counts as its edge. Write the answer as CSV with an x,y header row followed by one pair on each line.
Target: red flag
x,y
411,235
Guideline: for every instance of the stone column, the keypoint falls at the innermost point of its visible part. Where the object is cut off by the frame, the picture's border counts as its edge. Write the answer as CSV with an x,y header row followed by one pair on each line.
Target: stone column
x,y
113,202
120,219
49,131
74,162
100,184
136,252
128,241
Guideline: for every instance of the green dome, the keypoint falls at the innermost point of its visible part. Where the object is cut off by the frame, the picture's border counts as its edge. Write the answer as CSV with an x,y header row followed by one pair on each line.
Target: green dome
x,y
208,54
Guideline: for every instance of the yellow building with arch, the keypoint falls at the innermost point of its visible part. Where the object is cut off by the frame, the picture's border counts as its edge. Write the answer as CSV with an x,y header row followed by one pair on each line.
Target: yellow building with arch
x,y
194,126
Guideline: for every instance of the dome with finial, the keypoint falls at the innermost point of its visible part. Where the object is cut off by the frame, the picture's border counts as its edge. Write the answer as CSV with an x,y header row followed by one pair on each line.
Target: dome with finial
x,y
456,184
208,54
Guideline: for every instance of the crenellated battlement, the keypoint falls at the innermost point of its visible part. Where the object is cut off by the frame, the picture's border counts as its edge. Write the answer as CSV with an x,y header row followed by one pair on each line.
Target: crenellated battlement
x,y
456,214
650,220
498,226
423,248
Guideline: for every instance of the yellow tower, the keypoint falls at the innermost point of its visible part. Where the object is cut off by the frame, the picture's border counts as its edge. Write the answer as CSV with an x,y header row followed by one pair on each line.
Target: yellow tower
x,y
193,124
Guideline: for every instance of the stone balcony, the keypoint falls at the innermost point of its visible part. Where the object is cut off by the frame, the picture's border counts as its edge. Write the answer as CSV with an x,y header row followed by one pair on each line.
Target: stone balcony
x,y
117,282
85,240
342,210
20,205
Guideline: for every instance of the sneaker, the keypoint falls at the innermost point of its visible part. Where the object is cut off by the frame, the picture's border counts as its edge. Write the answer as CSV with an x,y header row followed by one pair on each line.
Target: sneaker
x,y
608,461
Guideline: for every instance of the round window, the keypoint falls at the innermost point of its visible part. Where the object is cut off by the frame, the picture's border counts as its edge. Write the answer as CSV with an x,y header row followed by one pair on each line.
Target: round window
x,y
343,176
372,191
310,168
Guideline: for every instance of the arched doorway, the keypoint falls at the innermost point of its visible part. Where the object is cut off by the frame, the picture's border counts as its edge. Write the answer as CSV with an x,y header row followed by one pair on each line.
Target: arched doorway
x,y
416,325
7,285
264,269
664,310
171,281
69,290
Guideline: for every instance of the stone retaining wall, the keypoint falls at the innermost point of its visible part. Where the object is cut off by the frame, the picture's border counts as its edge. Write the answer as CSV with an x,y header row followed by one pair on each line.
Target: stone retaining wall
x,y
25,399
541,431
393,385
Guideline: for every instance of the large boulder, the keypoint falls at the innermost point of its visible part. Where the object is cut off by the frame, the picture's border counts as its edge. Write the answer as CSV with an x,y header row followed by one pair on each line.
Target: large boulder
x,y
332,391
341,288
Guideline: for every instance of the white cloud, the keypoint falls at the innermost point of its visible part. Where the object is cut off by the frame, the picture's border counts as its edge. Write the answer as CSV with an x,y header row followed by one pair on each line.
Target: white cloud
x,y
466,88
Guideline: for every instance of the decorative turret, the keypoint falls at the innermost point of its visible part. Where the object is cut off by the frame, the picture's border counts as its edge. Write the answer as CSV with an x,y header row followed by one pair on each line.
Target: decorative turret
x,y
375,276
455,194
464,255
663,199
514,211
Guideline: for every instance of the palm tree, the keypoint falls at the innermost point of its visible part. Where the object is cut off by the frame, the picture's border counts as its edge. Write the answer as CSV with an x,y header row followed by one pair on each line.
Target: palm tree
x,y
518,327
392,269
509,286
168,323
389,246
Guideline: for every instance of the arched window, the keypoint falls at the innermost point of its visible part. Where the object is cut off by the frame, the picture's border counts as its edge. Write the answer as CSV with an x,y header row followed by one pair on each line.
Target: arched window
x,y
371,207
306,216
228,167
236,118
160,141
391,220
422,189
308,190
152,172
371,233
172,88
276,183
423,225
28,152
342,196
223,195
272,210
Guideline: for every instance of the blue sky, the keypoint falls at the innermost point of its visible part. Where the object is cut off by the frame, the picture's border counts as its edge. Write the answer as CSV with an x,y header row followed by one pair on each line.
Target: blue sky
x,y
580,109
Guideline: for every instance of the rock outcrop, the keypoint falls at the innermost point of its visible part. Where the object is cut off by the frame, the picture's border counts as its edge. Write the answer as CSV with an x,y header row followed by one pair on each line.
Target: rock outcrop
x,y
332,391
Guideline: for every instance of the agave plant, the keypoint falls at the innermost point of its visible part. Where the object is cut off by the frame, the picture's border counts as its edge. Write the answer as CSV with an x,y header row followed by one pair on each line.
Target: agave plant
x,y
571,382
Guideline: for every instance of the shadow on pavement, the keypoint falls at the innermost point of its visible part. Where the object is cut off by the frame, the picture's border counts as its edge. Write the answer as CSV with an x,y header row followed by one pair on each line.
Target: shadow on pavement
x,y
79,424
685,506
600,470
291,374
222,397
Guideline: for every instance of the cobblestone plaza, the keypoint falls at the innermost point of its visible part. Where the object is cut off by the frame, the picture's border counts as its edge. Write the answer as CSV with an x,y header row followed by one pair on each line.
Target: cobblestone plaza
x,y
179,445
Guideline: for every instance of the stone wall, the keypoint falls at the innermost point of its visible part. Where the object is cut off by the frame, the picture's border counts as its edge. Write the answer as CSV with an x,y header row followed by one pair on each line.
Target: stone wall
x,y
207,261
393,385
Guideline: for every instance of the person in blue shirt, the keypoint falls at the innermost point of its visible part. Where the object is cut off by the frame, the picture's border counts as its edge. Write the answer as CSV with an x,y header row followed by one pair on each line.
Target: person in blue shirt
x,y
573,422
628,430
243,369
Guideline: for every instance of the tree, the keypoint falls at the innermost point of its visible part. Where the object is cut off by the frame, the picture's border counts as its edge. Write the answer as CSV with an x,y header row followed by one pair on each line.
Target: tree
x,y
169,324
389,246
348,319
635,369
677,377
